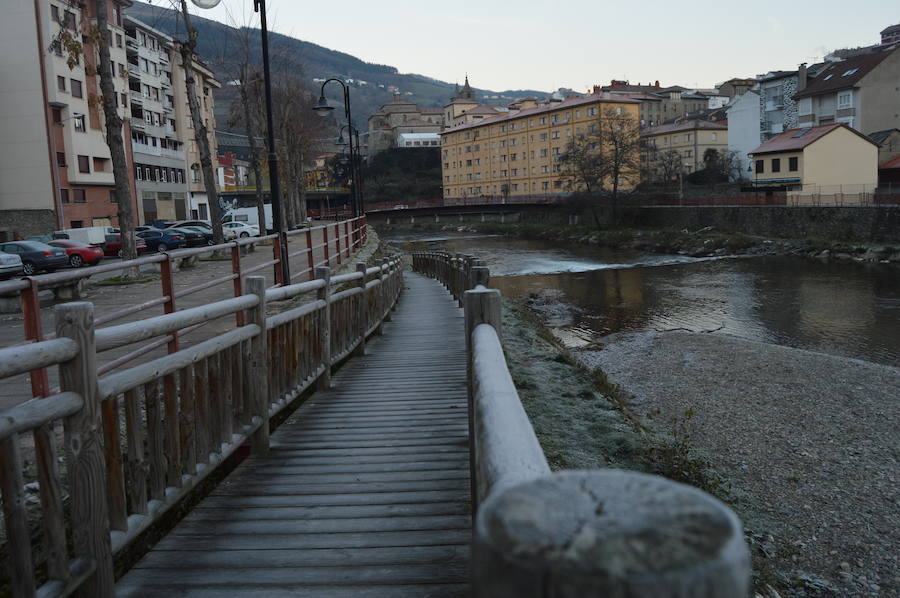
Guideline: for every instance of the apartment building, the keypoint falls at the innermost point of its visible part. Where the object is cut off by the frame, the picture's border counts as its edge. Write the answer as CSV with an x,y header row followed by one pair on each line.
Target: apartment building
x,y
204,84
658,104
401,117
689,140
860,91
517,152
157,145
58,173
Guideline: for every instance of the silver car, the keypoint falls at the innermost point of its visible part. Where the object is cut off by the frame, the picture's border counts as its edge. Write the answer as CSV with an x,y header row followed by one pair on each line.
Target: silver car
x,y
10,265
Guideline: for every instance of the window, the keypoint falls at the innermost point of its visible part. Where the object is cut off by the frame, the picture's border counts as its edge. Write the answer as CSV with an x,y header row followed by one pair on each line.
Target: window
x,y
845,100
118,39
78,119
60,83
759,167
56,114
64,195
776,164
61,159
713,136
112,196
78,195
849,72
84,164
76,89
793,165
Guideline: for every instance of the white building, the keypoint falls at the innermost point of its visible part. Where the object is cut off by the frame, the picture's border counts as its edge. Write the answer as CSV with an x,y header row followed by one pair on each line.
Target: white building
x,y
414,140
743,128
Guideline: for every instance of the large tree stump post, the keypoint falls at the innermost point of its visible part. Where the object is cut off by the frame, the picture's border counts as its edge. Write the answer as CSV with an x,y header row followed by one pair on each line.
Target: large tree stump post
x,y
258,367
324,294
85,460
608,533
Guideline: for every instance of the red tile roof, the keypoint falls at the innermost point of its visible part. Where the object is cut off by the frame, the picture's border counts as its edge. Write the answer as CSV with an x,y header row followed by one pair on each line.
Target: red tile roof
x,y
797,139
892,163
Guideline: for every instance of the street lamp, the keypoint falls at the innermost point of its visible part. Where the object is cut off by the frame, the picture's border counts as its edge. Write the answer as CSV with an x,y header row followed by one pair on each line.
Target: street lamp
x,y
323,108
274,186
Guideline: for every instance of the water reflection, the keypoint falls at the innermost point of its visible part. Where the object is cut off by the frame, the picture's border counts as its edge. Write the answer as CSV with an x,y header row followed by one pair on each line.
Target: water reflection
x,y
840,308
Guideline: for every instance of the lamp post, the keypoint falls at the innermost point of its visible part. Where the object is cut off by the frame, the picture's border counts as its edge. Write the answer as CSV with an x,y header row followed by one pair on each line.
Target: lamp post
x,y
323,108
274,186
356,165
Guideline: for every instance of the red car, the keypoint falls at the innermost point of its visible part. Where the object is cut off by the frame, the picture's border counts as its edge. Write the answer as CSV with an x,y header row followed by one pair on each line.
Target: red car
x,y
113,245
79,253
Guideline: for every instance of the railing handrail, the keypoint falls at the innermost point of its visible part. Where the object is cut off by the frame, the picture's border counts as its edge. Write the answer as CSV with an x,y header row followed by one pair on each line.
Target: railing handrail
x,y
538,533
217,394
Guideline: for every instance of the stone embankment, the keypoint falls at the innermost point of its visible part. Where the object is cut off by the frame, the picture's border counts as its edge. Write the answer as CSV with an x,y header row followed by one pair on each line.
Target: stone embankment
x,y
704,242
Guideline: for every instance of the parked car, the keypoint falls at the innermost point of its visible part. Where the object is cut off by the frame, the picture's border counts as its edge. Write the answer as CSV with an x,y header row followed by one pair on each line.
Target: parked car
x,y
113,245
193,237
10,265
79,253
242,229
36,256
162,240
229,234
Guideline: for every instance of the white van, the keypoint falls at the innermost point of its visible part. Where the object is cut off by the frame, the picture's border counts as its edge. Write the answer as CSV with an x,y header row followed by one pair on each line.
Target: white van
x,y
249,216
92,235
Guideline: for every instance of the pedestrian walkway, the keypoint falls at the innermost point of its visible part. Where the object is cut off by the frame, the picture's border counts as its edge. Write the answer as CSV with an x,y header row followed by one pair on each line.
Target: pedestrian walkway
x,y
365,491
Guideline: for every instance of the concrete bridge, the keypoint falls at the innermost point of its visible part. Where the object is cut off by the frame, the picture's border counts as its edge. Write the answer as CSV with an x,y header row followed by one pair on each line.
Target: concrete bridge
x,y
409,468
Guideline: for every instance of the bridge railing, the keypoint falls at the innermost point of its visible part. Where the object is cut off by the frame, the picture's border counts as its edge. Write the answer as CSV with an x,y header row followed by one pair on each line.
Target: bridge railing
x,y
572,533
139,440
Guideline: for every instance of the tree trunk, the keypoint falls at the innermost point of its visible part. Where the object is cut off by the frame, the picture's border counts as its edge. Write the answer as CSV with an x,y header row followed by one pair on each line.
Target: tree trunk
x,y
122,189
201,134
250,130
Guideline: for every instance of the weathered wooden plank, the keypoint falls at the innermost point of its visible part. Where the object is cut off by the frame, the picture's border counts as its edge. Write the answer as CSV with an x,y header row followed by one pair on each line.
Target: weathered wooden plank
x,y
15,518
429,590
155,448
369,476
115,470
137,465
173,437
31,414
186,417
278,497
265,559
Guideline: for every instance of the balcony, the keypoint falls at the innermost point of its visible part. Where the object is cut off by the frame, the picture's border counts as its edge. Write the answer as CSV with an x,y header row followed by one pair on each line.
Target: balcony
x,y
143,148
131,42
134,70
174,154
136,97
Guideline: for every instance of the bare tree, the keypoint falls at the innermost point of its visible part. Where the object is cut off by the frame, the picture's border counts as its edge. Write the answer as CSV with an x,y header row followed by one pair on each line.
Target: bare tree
x,y
187,49
100,36
609,154
669,165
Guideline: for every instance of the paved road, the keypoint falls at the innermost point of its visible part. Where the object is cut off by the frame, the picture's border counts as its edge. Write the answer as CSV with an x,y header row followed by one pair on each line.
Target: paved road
x,y
112,298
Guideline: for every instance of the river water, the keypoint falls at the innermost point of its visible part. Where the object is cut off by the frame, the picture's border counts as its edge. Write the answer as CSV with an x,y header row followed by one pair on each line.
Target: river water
x,y
585,293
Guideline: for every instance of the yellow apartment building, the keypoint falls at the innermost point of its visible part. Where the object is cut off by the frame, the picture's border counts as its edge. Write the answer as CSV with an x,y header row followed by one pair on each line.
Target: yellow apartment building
x,y
825,160
689,140
517,153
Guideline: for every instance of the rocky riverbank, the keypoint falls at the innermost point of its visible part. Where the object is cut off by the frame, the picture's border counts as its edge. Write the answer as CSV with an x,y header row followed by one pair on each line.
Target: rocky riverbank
x,y
704,242
800,444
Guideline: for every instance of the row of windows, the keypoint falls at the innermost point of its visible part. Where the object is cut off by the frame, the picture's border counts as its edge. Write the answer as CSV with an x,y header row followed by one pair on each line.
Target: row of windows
x,y
555,119
514,187
545,169
775,165
84,163
543,153
78,196
160,174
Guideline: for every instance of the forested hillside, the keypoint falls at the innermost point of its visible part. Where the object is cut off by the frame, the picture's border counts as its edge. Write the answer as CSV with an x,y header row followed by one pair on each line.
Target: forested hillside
x,y
221,46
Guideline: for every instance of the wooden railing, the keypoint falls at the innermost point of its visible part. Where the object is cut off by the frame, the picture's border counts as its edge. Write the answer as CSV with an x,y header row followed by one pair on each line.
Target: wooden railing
x,y
140,439
339,241
573,533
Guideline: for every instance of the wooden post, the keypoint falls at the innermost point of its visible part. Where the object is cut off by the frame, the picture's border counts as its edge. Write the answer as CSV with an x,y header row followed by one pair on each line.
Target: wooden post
x,y
31,312
237,282
325,245
481,275
384,295
310,261
276,254
324,294
337,242
85,460
607,533
362,320
15,518
257,370
168,290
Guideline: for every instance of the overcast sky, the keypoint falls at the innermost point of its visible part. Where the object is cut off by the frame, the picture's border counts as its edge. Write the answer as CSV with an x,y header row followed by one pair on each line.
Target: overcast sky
x,y
531,44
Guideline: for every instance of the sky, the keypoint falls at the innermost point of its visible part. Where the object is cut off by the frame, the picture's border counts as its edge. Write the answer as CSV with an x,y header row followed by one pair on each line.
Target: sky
x,y
530,44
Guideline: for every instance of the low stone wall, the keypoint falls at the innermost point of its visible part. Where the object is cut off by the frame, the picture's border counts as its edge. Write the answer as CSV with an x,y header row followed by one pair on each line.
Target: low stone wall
x,y
26,223
859,224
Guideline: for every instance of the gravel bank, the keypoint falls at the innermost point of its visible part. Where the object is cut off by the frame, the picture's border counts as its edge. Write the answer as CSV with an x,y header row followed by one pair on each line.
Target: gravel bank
x,y
809,443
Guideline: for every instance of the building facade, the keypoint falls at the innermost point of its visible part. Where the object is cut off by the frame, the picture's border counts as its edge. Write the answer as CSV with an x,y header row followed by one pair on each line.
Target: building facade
x,y
828,159
658,104
156,142
517,153
60,174
688,140
743,129
401,117
861,91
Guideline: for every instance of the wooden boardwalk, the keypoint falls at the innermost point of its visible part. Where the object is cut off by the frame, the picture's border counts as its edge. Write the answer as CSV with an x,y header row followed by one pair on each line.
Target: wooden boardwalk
x,y
364,493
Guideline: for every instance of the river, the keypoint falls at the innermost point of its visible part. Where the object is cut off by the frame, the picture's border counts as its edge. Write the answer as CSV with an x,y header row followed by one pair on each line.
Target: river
x,y
585,293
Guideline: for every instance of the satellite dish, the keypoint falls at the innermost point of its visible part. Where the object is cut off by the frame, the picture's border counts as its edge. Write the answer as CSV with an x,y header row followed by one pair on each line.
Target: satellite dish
x,y
206,3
